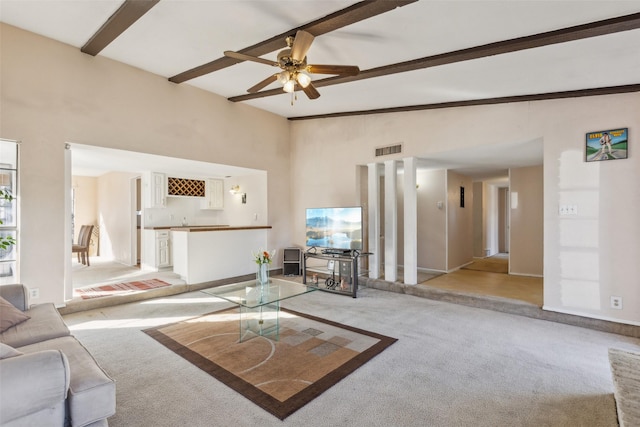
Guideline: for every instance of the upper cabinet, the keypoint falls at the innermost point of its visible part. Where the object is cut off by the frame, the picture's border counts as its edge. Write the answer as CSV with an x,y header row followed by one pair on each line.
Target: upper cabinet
x,y
214,194
157,190
158,187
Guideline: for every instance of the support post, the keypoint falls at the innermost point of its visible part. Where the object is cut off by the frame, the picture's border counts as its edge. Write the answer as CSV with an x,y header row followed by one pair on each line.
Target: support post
x,y
390,221
373,189
410,222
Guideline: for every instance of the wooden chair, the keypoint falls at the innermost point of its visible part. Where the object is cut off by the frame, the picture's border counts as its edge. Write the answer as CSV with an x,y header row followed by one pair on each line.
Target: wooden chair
x,y
82,247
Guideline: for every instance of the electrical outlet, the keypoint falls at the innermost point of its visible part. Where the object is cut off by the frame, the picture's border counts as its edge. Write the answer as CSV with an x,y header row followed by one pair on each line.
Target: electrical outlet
x,y
616,302
34,293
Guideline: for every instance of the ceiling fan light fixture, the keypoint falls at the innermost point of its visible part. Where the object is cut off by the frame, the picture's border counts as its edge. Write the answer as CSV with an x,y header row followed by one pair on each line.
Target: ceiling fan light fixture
x,y
283,77
289,86
303,79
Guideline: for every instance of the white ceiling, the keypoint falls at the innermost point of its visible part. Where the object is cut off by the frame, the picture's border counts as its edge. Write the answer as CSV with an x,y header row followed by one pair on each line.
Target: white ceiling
x,y
177,35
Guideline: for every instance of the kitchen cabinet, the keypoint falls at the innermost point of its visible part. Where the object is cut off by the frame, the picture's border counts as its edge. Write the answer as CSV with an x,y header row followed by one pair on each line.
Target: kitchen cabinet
x,y
214,194
156,190
163,249
157,249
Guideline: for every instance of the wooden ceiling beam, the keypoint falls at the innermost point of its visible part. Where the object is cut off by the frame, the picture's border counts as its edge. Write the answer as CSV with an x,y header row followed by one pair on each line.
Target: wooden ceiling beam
x,y
612,90
128,13
342,18
593,29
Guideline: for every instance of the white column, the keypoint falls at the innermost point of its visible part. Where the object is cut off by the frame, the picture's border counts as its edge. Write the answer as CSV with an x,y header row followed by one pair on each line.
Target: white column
x,y
410,222
373,188
390,222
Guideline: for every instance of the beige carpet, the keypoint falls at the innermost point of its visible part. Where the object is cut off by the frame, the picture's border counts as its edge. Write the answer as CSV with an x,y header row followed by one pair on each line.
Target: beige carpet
x,y
310,356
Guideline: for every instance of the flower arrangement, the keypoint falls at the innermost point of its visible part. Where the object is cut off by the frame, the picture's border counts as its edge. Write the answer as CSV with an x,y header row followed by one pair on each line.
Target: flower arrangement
x,y
264,257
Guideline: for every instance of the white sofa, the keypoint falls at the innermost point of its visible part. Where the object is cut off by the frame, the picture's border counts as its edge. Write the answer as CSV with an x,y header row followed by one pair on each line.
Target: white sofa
x,y
47,377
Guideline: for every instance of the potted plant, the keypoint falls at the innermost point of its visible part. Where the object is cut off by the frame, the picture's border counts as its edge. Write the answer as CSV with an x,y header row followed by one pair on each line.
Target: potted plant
x,y
6,241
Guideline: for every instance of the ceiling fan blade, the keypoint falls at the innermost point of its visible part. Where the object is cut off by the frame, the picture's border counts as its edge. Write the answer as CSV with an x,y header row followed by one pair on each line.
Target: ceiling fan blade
x,y
243,57
266,82
301,45
311,91
342,70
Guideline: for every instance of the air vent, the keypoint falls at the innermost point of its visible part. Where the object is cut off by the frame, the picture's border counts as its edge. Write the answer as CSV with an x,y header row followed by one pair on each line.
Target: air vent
x,y
185,187
391,149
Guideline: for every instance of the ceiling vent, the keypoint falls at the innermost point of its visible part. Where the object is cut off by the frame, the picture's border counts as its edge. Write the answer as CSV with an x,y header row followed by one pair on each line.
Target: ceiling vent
x,y
391,149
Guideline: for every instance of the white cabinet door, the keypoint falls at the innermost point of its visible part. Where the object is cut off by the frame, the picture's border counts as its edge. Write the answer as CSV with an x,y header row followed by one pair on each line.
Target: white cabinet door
x,y
214,194
157,190
163,249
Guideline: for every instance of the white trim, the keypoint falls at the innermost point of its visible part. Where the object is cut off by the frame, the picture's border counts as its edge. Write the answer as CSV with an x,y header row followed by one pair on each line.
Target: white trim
x,y
591,316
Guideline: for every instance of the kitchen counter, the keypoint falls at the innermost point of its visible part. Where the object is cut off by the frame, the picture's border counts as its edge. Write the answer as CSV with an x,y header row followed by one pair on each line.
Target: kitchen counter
x,y
180,227
203,254
218,228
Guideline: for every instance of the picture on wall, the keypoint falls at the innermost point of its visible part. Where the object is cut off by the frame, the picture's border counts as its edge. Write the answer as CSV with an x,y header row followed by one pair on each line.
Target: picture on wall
x,y
607,145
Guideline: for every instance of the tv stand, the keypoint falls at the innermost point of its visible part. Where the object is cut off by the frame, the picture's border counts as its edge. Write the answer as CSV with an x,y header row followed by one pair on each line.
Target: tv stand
x,y
340,275
345,252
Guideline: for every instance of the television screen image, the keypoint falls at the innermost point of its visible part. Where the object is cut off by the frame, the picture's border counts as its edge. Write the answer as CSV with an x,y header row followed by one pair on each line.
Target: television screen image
x,y
335,228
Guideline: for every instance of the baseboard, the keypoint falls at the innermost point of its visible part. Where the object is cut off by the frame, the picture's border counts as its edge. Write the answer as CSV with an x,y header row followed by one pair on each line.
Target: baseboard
x,y
590,316
527,275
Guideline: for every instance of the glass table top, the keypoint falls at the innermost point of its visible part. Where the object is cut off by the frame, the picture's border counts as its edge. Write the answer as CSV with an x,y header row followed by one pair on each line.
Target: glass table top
x,y
249,295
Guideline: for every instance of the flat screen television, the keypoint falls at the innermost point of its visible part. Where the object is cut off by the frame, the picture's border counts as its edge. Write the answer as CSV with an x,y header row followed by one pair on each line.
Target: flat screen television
x,y
334,228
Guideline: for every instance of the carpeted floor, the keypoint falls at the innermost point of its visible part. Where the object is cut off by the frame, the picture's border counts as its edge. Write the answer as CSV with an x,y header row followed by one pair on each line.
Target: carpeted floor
x,y
309,356
451,366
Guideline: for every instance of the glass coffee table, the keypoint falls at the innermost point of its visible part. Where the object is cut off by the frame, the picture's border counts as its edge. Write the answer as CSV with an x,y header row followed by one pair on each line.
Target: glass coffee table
x,y
259,305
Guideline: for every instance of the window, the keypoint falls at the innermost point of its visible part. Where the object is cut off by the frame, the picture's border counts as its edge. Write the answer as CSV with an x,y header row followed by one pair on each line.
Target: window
x,y
8,211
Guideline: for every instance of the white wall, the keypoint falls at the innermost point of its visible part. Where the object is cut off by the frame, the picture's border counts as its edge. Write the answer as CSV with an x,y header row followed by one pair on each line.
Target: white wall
x,y
97,101
459,221
432,220
115,215
604,236
526,231
86,205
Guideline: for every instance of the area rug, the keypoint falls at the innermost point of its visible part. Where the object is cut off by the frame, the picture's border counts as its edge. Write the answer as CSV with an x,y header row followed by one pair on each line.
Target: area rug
x,y
120,288
311,355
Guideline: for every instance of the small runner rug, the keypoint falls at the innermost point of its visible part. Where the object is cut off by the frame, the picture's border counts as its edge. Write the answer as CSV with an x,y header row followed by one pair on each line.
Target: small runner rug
x,y
121,288
491,264
311,355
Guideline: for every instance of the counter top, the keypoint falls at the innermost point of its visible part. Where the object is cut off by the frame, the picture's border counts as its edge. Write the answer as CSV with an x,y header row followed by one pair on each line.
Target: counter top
x,y
219,228
177,227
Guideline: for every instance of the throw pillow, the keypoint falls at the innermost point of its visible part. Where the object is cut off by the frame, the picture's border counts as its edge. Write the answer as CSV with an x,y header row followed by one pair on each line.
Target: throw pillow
x,y
8,351
9,315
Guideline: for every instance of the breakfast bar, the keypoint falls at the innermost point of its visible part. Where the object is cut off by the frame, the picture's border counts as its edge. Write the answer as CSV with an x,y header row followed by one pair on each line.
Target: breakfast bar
x,y
203,254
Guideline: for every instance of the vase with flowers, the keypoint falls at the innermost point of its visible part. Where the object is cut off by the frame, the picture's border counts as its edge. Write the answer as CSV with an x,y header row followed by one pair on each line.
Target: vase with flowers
x,y
263,259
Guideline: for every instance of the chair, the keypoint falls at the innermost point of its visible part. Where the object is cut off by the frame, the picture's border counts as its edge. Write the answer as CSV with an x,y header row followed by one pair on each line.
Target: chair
x,y
82,247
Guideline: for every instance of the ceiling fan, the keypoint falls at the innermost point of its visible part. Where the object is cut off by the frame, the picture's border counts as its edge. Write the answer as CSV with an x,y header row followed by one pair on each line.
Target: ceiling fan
x,y
295,70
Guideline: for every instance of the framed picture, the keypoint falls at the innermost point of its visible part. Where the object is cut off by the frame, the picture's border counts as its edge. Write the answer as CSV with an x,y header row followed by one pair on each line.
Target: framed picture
x,y
607,145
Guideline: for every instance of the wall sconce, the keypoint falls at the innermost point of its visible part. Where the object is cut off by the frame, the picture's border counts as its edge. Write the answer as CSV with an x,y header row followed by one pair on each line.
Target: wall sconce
x,y
236,190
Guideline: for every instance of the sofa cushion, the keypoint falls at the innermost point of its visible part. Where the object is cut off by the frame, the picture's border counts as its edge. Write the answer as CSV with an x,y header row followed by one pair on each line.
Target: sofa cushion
x,y
9,315
33,389
8,351
92,394
45,323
